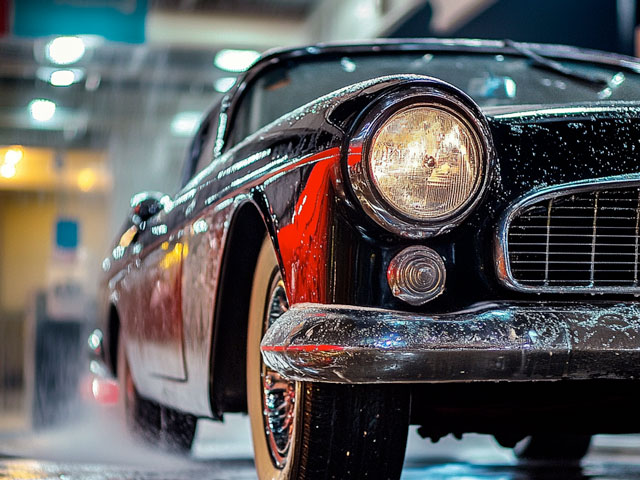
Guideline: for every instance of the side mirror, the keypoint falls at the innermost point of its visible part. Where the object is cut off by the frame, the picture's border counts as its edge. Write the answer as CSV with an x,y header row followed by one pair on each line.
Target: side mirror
x,y
145,205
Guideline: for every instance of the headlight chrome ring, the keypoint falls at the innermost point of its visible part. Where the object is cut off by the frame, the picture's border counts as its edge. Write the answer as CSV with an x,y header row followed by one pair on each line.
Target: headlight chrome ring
x,y
425,160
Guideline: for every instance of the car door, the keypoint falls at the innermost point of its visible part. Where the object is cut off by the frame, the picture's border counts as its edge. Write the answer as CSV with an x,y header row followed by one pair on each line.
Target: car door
x,y
156,279
164,245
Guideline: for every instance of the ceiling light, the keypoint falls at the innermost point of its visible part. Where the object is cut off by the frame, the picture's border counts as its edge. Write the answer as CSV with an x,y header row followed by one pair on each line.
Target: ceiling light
x,y
185,124
62,78
224,84
7,170
235,60
65,50
86,179
42,110
13,155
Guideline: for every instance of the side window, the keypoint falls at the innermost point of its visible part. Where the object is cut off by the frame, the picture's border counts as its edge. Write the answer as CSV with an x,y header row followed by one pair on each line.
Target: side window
x,y
208,142
200,152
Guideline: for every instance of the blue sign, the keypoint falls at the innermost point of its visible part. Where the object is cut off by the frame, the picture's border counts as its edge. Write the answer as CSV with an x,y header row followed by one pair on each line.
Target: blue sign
x,y
116,20
66,234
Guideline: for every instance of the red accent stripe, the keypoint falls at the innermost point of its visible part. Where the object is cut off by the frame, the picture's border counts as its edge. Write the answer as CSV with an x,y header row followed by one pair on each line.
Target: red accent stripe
x,y
354,155
302,348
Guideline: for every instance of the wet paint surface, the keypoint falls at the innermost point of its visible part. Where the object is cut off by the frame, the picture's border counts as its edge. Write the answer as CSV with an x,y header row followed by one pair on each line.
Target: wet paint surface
x,y
293,172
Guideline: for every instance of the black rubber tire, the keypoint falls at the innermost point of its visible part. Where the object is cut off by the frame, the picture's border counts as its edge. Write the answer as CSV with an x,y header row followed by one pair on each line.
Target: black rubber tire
x,y
353,431
178,430
156,425
564,448
339,431
142,416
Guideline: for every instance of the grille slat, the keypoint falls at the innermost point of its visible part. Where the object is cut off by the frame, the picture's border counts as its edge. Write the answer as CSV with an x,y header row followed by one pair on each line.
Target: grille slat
x,y
587,240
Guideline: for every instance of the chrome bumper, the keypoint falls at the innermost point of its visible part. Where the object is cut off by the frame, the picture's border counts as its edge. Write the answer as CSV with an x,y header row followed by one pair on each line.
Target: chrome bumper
x,y
493,342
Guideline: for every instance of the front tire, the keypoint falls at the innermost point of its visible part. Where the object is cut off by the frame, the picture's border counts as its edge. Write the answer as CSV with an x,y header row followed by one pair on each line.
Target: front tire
x,y
316,430
560,448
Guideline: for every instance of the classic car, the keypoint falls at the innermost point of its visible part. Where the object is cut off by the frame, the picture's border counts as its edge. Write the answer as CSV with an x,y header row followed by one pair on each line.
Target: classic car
x,y
430,232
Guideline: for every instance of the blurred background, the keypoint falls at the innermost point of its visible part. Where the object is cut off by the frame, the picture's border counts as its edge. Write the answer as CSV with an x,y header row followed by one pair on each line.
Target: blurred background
x,y
98,100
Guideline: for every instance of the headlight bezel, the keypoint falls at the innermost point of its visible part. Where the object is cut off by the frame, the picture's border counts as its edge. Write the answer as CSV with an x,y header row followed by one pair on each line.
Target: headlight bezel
x,y
431,93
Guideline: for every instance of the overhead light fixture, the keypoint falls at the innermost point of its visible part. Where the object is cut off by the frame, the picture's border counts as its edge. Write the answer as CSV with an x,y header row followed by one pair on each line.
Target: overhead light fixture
x,y
42,110
185,124
86,179
224,84
62,78
235,60
7,170
65,50
13,155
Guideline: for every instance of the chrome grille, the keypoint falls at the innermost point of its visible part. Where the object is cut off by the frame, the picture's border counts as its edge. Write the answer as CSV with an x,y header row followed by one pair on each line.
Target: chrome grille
x,y
580,237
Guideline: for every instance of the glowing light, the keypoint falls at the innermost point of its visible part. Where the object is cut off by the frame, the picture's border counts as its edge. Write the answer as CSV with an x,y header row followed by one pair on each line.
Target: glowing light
x,y
62,78
185,124
425,163
42,110
235,60
13,155
224,84
65,50
7,170
86,179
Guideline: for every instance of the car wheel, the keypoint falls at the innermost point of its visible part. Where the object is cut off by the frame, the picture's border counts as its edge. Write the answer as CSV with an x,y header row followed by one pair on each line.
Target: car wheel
x,y
142,416
178,430
160,426
316,430
555,448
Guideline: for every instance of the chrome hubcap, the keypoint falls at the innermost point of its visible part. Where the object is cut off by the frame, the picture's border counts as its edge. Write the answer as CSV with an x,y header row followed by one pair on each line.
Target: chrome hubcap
x,y
278,393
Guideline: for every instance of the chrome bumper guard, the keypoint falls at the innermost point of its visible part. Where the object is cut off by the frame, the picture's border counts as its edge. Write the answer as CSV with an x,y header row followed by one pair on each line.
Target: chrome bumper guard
x,y
493,342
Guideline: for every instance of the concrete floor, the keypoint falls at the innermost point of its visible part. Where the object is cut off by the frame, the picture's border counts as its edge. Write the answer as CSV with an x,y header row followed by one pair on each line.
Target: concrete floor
x,y
95,446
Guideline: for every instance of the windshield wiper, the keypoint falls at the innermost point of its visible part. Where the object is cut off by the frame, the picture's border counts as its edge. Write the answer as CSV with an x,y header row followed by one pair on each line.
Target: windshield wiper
x,y
557,67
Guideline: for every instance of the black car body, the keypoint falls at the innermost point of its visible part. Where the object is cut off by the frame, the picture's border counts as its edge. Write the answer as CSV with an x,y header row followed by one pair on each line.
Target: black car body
x,y
515,314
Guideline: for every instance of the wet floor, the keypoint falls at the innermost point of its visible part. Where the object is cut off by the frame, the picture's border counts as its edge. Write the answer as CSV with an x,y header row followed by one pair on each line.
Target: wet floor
x,y
95,447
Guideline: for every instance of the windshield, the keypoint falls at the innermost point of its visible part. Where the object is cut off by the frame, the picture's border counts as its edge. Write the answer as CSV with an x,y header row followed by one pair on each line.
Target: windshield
x,y
491,80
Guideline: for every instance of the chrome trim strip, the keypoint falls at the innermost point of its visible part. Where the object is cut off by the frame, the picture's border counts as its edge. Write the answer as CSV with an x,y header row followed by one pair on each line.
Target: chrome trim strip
x,y
503,263
492,342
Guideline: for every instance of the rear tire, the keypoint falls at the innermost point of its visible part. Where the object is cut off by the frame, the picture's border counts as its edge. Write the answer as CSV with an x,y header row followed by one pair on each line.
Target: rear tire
x,y
178,430
156,425
562,448
142,416
316,430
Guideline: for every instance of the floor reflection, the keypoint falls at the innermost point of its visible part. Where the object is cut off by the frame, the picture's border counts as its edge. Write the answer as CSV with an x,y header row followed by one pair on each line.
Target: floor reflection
x,y
95,447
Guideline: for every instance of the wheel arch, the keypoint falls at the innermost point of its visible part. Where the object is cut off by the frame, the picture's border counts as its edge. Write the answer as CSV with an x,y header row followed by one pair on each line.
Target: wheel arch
x,y
228,352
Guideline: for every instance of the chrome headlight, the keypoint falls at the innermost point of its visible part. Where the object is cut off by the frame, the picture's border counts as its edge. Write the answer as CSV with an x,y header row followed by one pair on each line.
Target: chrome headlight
x,y
424,162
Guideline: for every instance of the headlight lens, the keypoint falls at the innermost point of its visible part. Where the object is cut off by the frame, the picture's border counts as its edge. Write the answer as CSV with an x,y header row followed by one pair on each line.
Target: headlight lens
x,y
426,162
